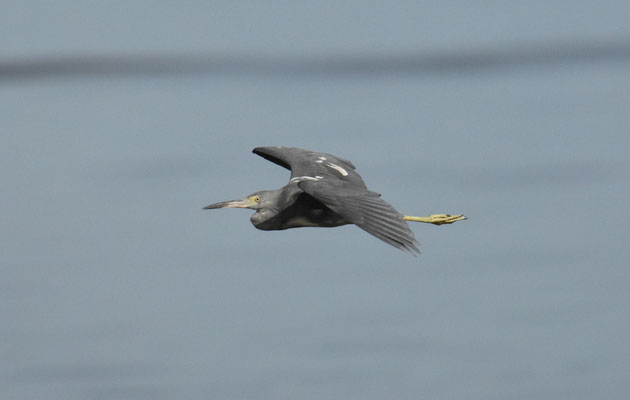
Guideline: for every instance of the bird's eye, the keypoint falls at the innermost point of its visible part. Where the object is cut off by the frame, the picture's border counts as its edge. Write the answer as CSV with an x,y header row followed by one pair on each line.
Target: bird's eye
x,y
257,199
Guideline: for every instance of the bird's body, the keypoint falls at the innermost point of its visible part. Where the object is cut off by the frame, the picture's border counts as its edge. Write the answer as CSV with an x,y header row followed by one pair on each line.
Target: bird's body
x,y
304,211
326,191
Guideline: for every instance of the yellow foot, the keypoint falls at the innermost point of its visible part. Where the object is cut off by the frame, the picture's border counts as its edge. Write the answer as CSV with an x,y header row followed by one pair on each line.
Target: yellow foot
x,y
437,219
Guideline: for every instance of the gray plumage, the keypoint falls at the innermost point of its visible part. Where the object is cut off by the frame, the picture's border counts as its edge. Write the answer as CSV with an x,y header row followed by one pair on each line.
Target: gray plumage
x,y
323,191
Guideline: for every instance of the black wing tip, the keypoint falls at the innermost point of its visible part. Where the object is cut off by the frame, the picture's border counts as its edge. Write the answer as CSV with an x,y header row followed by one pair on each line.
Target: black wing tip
x,y
269,154
259,150
263,149
402,243
411,248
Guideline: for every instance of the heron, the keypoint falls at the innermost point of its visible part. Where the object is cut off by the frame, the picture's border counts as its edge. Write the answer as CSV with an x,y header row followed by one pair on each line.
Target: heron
x,y
326,191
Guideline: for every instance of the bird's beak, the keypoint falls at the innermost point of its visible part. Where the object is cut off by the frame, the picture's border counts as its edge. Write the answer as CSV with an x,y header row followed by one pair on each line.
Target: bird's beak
x,y
247,202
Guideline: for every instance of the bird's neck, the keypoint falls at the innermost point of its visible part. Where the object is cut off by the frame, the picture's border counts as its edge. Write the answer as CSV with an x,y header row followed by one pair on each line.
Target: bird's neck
x,y
261,219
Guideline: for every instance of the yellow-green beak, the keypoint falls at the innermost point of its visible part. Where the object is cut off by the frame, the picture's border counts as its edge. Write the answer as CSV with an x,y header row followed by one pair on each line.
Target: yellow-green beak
x,y
247,202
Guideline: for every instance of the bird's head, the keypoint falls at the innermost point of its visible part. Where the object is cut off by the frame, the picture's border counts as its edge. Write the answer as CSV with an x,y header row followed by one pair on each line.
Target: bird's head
x,y
265,202
254,201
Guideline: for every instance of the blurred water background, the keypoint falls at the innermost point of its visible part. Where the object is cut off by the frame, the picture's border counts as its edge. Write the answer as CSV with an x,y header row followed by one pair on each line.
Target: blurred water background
x,y
120,120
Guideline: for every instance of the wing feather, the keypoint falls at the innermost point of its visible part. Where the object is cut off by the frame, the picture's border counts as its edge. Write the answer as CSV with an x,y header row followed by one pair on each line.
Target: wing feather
x,y
366,210
310,164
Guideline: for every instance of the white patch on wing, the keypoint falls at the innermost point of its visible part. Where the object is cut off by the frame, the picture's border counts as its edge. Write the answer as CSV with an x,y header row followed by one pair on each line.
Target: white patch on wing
x,y
303,178
322,158
319,161
338,168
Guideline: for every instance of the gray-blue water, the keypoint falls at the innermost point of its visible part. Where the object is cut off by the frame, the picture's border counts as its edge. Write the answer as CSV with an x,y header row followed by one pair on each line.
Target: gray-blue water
x,y
116,285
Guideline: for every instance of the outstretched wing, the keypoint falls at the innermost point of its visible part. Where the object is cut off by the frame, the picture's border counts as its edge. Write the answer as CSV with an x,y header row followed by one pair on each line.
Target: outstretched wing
x,y
291,157
365,209
311,165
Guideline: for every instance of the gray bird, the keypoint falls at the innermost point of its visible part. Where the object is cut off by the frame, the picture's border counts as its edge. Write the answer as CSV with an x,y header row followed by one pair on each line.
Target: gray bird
x,y
326,191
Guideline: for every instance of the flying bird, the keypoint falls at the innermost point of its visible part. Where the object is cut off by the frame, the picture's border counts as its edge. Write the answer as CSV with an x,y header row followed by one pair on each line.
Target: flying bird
x,y
326,191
